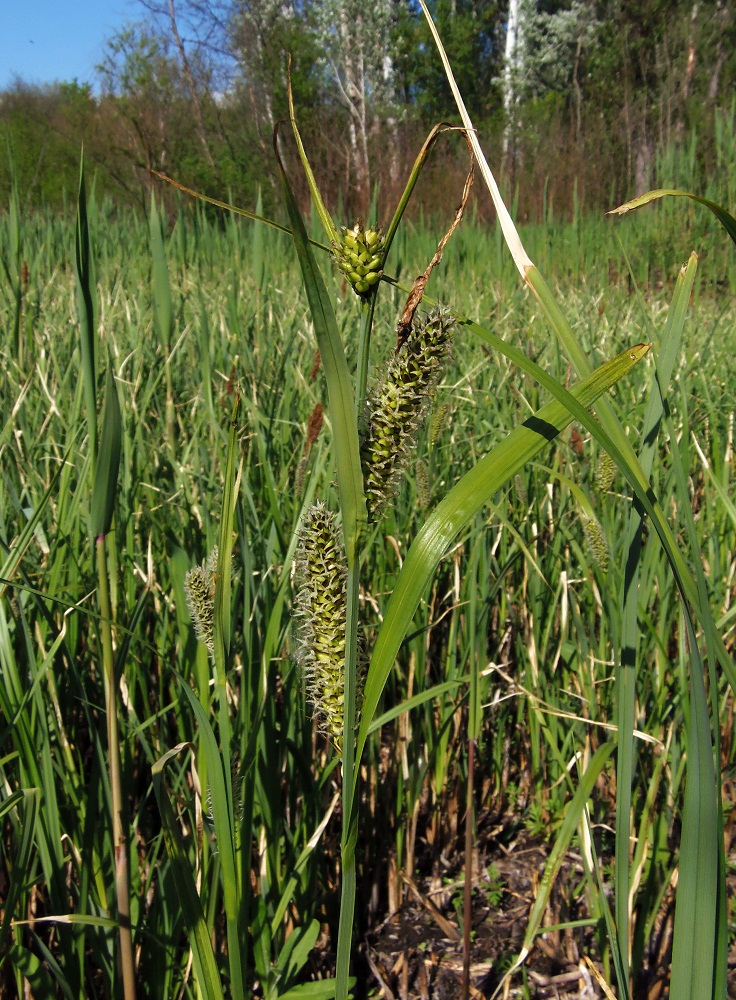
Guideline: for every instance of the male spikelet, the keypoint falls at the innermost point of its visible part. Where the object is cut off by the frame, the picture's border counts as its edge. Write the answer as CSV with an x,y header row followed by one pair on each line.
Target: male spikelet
x,y
395,409
199,590
359,253
320,606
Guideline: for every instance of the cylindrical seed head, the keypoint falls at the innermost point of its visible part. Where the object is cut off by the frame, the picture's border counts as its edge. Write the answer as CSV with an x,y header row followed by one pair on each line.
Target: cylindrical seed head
x,y
396,408
604,473
320,606
199,590
596,540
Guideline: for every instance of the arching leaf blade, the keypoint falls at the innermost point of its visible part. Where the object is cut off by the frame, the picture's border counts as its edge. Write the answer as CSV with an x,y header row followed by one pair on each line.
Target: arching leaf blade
x,y
456,510
724,217
611,436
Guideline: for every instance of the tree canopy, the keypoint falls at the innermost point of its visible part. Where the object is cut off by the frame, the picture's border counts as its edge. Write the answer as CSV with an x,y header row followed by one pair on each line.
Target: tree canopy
x,y
588,98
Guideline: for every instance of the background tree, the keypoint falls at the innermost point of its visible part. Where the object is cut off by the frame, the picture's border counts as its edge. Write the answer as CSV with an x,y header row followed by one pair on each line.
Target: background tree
x,y
579,101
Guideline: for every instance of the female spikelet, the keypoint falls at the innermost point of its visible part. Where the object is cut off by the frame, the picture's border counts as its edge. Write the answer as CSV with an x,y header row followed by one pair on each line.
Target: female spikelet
x,y
320,609
396,408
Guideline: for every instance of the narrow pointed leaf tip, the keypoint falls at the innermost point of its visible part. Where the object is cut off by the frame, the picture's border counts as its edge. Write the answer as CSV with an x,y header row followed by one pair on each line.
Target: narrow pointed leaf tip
x,y
724,217
521,258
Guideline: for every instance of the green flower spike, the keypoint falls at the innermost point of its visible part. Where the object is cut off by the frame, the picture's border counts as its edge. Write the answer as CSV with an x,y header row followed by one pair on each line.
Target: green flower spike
x,y
199,590
398,404
596,540
604,473
359,254
320,606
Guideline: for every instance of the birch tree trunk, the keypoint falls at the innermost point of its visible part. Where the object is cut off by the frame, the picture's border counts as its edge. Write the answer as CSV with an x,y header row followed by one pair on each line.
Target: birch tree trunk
x,y
352,88
513,66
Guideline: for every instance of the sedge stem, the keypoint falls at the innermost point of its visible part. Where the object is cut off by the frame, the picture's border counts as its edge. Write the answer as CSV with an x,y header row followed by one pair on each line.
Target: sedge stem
x,y
120,844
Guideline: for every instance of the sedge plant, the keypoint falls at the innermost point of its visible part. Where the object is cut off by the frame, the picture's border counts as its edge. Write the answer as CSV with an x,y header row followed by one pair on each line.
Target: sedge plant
x,y
451,514
193,876
373,437
365,471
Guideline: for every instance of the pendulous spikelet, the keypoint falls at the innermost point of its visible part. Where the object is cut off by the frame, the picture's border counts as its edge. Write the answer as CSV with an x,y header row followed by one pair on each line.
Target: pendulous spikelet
x,y
199,590
421,477
395,409
521,491
438,424
605,472
320,606
596,540
359,255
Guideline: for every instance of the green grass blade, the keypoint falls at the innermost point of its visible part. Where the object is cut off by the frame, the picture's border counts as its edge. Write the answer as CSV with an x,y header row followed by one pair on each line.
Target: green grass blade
x,y
286,895
31,801
411,183
108,461
163,319
322,990
324,216
728,505
25,963
223,590
702,859
626,675
436,691
228,207
13,559
49,962
220,786
257,260
605,908
203,957
12,264
694,943
86,311
573,816
296,951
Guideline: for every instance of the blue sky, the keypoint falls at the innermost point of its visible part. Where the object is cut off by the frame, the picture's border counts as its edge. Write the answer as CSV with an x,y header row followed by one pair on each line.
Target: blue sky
x,y
46,40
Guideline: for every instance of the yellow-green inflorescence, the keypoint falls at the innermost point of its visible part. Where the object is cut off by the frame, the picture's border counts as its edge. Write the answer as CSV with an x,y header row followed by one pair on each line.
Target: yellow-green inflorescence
x,y
596,540
396,407
359,253
321,604
199,590
605,472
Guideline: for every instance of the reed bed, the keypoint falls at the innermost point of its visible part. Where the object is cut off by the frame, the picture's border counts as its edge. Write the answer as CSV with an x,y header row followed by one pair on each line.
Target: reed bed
x,y
225,442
